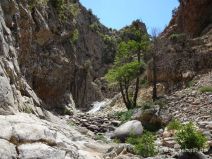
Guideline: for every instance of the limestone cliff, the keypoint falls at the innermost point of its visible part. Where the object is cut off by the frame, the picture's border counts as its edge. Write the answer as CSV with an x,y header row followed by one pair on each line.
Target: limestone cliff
x,y
50,55
185,47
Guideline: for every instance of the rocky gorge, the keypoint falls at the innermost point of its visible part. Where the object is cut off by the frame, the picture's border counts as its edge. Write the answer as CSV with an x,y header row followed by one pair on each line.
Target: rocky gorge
x,y
53,58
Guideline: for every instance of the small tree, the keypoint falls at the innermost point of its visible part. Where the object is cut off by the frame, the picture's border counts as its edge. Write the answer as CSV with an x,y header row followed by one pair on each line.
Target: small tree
x,y
128,65
123,76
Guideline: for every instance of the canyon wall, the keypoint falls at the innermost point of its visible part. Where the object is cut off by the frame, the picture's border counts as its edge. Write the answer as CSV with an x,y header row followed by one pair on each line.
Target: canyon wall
x,y
185,46
50,55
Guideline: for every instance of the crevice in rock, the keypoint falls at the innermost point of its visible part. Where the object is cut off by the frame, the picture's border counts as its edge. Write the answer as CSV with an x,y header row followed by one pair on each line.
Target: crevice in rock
x,y
17,151
19,142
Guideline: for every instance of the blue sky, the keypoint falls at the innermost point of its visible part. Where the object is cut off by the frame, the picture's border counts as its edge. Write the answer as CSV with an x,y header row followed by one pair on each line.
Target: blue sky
x,y
119,13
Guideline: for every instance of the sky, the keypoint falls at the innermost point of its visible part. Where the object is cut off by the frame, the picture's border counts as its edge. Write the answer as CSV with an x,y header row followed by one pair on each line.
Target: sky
x,y
117,14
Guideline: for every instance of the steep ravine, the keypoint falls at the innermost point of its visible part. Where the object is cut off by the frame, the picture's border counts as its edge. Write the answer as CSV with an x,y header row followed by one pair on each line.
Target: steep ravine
x,y
52,60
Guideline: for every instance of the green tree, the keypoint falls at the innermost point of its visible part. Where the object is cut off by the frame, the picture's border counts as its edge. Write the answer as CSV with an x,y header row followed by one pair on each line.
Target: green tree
x,y
129,65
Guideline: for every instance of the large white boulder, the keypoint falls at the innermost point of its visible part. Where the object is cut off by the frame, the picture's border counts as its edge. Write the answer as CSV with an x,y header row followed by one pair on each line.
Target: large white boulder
x,y
133,127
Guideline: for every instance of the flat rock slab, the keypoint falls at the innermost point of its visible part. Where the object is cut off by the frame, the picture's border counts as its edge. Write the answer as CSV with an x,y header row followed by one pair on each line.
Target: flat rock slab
x,y
41,151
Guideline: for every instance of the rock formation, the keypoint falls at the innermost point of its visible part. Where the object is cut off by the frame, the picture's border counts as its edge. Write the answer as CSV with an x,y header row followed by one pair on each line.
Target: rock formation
x,y
50,62
185,45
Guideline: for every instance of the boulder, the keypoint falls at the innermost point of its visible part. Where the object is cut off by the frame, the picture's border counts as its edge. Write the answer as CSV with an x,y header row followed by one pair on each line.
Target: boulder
x,y
196,155
151,120
136,114
133,127
39,150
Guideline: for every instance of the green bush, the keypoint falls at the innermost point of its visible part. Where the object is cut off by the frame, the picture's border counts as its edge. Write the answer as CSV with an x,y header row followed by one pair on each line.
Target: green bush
x,y
74,9
178,37
27,110
64,8
71,123
190,83
95,26
74,36
100,137
147,105
206,89
189,138
37,3
143,145
174,125
150,104
124,116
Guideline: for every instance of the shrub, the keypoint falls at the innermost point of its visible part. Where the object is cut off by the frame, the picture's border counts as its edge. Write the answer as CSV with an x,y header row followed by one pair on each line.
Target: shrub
x,y
74,36
74,9
206,89
37,3
178,37
143,145
71,123
95,26
27,110
67,111
150,104
190,83
100,137
116,140
124,116
147,105
189,138
64,8
174,125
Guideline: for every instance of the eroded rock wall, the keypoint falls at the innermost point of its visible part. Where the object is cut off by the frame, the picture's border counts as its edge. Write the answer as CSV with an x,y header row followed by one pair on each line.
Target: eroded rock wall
x,y
47,61
185,46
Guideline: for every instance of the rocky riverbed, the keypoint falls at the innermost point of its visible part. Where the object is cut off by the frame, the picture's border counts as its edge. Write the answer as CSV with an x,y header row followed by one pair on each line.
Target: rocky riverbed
x,y
86,135
188,104
25,136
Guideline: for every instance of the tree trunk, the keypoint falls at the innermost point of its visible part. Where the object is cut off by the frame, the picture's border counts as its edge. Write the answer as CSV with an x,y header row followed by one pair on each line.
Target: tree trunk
x,y
154,91
136,92
123,95
135,96
126,85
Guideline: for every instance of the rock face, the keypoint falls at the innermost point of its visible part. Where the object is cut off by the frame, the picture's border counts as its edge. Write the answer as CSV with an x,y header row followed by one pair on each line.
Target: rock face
x,y
192,17
185,47
48,61
26,136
